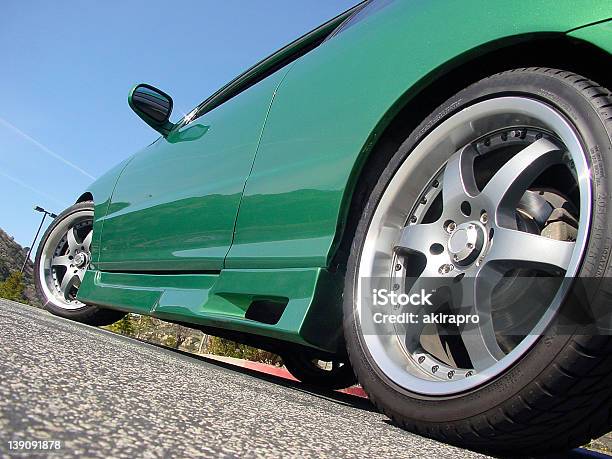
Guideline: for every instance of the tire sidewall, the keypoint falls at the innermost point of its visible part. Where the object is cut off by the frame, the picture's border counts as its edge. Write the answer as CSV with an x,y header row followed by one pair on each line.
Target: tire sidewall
x,y
591,130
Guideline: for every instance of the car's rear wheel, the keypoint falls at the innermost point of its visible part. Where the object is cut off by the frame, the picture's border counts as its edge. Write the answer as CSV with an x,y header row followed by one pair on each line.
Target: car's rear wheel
x,y
62,258
335,374
500,195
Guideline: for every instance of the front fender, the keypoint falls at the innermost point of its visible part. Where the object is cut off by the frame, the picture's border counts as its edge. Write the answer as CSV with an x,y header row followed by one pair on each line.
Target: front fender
x,y
102,191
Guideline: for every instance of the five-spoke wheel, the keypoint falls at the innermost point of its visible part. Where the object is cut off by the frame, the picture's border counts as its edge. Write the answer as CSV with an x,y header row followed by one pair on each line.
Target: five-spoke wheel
x,y
509,202
478,265
63,257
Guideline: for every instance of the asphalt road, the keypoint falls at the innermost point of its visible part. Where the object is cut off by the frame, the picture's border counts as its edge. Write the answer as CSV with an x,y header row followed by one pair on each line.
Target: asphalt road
x,y
103,395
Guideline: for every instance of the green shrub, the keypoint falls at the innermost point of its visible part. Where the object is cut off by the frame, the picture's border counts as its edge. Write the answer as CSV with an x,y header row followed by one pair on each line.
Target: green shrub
x,y
227,348
13,287
123,326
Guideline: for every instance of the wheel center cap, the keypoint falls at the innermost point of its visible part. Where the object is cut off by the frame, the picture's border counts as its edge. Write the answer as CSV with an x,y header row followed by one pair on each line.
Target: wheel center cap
x,y
466,242
80,259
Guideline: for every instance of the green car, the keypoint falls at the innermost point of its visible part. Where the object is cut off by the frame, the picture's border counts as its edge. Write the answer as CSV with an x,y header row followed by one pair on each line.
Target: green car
x,y
329,203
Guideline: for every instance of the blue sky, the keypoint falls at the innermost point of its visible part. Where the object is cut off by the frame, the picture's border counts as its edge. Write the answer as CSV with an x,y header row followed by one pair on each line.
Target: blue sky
x,y
68,66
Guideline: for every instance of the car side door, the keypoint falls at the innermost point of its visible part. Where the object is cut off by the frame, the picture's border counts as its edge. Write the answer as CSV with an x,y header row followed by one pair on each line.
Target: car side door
x,y
175,204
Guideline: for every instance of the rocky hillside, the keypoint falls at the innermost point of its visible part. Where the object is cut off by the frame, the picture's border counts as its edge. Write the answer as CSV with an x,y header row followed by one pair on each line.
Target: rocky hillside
x,y
11,259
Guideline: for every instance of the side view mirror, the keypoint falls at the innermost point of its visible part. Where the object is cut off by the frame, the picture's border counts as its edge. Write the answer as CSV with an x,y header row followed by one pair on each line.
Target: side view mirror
x,y
153,106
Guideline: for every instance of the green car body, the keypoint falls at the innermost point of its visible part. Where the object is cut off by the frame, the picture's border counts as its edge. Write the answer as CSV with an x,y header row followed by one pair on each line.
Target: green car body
x,y
251,203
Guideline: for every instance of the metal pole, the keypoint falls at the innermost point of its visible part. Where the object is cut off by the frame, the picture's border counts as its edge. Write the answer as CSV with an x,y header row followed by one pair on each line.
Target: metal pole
x,y
204,338
33,242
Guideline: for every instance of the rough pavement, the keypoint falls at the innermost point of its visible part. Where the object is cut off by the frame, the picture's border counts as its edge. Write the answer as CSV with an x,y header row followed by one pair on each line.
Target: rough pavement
x,y
103,395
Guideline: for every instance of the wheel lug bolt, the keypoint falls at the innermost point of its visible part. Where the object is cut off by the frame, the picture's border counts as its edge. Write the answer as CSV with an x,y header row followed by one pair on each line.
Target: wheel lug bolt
x,y
445,269
413,219
470,245
451,227
435,184
396,286
484,218
398,267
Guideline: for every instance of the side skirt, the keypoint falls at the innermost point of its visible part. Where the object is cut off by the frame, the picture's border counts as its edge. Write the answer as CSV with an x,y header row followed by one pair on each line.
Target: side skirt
x,y
307,301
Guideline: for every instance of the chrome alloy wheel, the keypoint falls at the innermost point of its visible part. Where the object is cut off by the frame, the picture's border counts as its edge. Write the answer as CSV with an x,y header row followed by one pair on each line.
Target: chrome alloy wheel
x,y
499,190
65,258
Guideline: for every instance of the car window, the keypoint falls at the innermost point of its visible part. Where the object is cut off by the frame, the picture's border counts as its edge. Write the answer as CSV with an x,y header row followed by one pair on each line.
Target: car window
x,y
366,10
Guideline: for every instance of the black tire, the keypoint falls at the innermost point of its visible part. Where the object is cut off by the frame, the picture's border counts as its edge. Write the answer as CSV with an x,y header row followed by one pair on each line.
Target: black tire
x,y
87,314
304,367
558,396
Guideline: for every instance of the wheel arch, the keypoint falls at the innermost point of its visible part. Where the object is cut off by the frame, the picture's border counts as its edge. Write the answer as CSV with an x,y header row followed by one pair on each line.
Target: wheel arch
x,y
87,196
554,50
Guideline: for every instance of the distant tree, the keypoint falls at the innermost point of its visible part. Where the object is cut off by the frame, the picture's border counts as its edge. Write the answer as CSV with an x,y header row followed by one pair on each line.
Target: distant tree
x,y
181,334
13,287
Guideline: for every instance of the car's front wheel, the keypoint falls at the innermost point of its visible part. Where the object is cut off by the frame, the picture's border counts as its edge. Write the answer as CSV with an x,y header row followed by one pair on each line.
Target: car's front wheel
x,y
62,258
496,203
